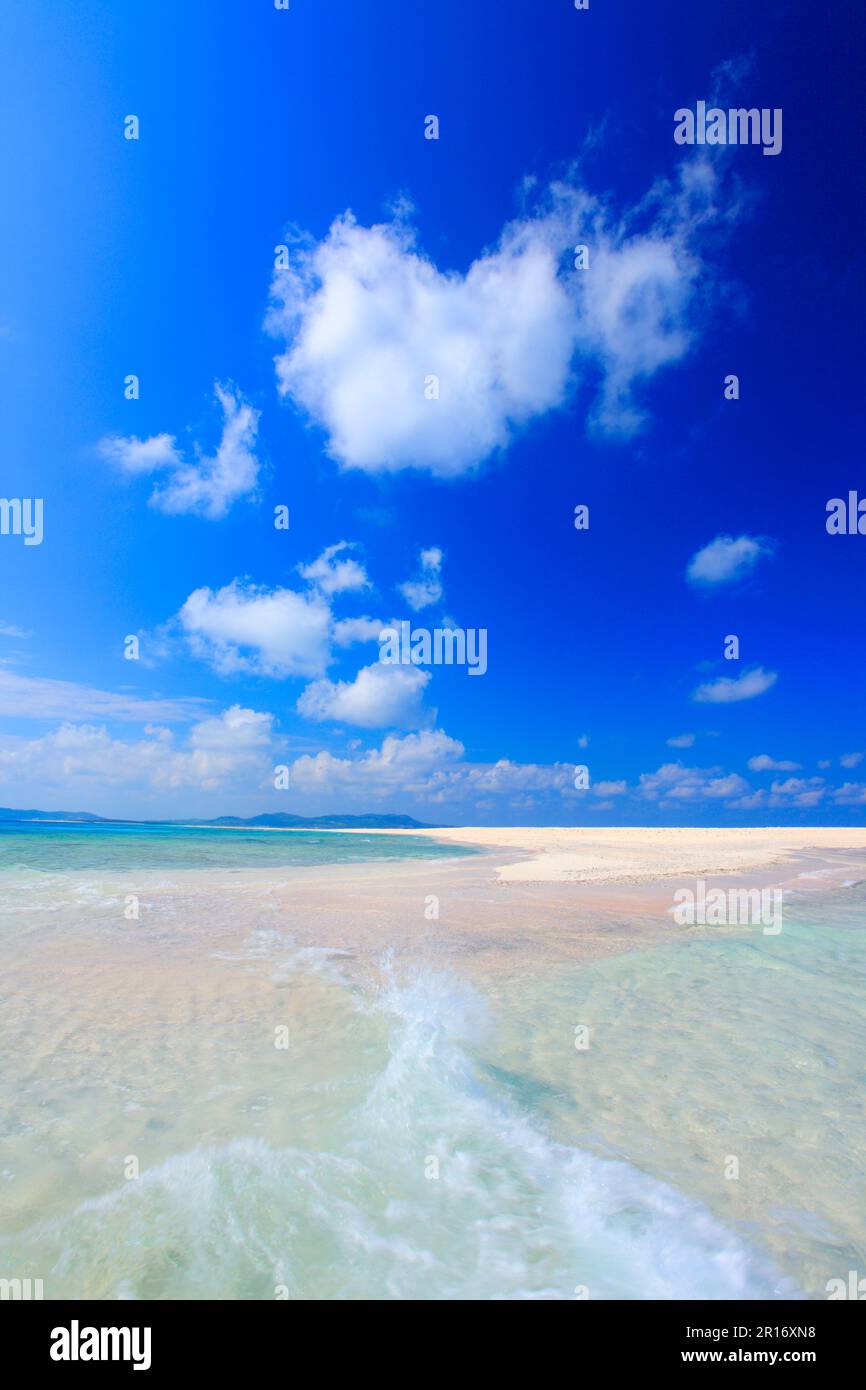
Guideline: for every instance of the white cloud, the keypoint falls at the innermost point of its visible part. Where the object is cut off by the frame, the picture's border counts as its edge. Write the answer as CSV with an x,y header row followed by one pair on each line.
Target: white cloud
x,y
367,320
403,763
673,782
762,762
427,588
507,777
726,690
681,741
207,487
802,791
726,560
851,794
849,760
134,456
617,788
38,697
380,697
272,632
221,752
333,575
10,630
427,765
348,631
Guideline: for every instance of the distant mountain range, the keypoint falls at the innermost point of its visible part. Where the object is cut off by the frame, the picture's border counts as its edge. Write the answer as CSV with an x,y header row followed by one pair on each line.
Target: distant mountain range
x,y
366,822
7,813
278,820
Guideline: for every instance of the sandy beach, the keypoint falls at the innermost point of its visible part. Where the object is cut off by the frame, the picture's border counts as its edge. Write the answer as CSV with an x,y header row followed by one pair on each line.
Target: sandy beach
x,y
636,854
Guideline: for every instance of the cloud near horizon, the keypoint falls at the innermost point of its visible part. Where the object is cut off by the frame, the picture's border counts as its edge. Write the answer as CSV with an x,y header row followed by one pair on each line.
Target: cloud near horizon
x,y
223,753
234,754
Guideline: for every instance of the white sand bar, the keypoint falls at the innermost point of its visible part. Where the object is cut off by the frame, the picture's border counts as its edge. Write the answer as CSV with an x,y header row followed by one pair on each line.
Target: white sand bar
x,y
638,854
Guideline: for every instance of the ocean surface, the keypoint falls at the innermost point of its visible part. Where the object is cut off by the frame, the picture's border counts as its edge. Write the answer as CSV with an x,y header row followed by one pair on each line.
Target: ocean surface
x,y
260,1065
47,847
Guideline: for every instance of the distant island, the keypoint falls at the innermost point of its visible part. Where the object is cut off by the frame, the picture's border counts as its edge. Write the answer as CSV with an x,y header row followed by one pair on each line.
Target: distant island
x,y
277,820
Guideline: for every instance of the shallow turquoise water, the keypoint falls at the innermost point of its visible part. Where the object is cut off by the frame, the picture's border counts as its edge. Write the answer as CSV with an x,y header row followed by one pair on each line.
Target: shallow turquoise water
x,y
141,846
429,1129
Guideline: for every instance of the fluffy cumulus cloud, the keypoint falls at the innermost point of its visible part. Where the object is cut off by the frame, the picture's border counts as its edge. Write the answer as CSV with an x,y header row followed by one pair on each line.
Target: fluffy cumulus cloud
x,y
430,766
728,690
272,632
348,631
405,764
380,697
681,740
850,760
672,782
230,751
205,486
851,794
404,364
335,572
233,754
762,762
797,791
426,588
726,560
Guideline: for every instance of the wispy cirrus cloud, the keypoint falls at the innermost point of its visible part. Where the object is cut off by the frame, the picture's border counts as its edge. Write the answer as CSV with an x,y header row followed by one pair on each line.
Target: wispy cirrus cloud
x,y
39,697
208,486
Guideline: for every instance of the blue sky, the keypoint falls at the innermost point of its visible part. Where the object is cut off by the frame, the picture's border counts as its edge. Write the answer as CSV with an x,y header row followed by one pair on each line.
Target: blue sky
x,y
409,257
